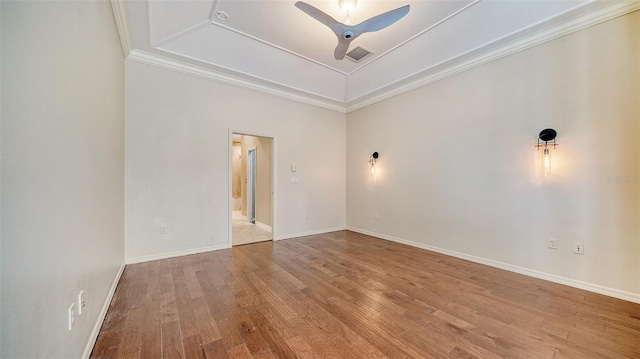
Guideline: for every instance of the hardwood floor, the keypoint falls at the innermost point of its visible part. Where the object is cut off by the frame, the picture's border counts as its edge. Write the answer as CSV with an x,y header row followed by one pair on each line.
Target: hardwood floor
x,y
347,295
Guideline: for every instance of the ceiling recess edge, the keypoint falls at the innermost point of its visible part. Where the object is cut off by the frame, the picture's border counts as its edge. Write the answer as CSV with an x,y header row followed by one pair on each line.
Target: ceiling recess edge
x,y
399,87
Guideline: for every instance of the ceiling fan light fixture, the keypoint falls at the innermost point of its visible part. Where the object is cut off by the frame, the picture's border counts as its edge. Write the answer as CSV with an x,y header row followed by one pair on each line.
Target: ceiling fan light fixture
x,y
347,5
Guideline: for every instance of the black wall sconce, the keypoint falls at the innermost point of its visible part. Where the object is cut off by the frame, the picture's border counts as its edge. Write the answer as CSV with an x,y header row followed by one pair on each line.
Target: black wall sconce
x,y
547,135
372,160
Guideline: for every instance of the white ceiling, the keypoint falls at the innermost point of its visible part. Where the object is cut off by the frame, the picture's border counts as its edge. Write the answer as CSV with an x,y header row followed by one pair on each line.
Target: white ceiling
x,y
272,45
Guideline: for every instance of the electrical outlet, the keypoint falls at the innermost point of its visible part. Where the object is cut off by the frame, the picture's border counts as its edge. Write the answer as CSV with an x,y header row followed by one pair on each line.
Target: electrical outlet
x,y
163,230
553,243
81,302
72,315
578,248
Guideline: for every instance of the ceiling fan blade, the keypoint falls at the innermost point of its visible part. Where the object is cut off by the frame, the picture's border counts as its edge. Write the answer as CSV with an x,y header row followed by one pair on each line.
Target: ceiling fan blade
x,y
341,49
320,16
381,21
348,33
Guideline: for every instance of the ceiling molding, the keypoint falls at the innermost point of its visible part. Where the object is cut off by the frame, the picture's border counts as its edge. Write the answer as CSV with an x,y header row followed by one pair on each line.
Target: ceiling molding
x,y
122,24
205,73
178,35
215,23
471,59
484,54
442,21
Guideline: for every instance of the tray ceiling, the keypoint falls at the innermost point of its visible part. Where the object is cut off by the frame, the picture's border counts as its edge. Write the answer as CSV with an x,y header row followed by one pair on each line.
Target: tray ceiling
x,y
274,45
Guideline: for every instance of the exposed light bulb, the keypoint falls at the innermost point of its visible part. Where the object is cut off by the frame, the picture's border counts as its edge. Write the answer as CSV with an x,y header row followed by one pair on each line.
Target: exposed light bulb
x,y
546,162
372,162
347,5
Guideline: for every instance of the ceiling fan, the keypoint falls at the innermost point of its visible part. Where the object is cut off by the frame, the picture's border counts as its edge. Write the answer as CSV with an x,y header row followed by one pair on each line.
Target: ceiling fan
x,y
347,32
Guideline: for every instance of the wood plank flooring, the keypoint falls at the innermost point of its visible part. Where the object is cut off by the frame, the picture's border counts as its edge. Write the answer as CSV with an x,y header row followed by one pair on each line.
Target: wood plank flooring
x,y
347,295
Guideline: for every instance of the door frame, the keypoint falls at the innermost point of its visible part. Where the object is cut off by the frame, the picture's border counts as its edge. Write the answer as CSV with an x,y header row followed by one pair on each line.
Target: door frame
x,y
274,182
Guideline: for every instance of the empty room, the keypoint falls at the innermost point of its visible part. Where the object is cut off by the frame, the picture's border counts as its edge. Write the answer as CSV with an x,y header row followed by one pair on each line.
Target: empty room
x,y
320,179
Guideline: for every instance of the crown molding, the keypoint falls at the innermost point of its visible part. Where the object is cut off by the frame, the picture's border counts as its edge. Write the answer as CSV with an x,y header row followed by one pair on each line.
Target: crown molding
x,y
209,74
503,47
122,23
472,59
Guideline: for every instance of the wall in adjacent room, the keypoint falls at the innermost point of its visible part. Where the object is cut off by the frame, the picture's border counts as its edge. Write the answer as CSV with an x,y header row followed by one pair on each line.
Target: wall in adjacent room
x,y
178,152
263,176
458,171
236,184
62,173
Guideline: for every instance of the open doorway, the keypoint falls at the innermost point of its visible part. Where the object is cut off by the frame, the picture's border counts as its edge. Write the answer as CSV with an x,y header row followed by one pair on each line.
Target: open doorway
x,y
251,188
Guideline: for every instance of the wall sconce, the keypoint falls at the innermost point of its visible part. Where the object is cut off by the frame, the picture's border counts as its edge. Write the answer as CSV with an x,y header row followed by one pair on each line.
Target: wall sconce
x,y
546,135
372,160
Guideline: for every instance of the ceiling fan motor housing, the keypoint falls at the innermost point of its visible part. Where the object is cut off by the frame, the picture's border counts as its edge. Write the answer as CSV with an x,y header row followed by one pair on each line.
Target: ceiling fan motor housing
x,y
348,34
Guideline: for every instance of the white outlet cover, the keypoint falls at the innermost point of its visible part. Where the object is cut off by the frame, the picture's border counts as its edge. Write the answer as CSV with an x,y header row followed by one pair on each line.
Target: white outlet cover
x,y
81,302
72,315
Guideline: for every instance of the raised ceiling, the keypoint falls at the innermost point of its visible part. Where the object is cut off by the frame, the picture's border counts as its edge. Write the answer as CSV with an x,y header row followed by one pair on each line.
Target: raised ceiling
x,y
273,46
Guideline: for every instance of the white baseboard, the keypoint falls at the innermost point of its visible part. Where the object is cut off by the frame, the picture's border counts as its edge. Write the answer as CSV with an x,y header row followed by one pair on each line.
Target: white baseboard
x,y
102,315
154,257
263,226
310,233
611,292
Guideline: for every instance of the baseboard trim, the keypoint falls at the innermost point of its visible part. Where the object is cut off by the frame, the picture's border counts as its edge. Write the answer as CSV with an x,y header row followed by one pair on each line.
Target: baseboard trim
x,y
263,226
310,233
154,257
611,292
103,313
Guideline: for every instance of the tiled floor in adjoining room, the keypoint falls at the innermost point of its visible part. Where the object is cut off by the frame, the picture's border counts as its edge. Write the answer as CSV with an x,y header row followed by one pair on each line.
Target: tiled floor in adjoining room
x,y
245,232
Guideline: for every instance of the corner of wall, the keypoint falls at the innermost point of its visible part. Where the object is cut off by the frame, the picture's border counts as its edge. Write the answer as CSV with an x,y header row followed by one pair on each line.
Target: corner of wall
x,y
103,313
1,52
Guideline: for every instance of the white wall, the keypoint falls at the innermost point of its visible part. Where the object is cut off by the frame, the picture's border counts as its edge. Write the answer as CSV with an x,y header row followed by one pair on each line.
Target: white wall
x,y
62,172
177,161
264,185
1,85
458,170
